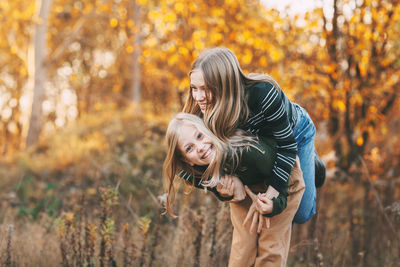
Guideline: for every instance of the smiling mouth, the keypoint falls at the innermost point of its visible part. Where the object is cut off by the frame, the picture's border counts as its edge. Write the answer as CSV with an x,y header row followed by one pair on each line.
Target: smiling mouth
x,y
203,106
207,153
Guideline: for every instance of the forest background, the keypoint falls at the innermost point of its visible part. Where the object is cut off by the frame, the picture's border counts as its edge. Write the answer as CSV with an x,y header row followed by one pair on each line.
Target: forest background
x,y
87,88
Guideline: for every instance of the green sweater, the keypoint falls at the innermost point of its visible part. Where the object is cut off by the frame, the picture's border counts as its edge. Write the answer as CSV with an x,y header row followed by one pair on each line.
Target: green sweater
x,y
256,167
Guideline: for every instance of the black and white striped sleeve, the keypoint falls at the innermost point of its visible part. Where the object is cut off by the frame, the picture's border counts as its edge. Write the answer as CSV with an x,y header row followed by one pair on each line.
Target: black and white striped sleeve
x,y
273,120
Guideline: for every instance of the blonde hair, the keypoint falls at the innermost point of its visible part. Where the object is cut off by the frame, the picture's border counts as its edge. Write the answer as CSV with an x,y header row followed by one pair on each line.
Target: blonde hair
x,y
225,80
225,152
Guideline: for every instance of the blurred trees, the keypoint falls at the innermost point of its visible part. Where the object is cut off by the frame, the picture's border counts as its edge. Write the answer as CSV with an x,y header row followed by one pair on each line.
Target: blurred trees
x,y
107,53
340,62
358,69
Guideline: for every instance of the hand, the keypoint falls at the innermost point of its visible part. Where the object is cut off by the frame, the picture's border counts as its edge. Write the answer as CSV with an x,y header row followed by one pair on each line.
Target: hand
x,y
263,204
239,193
225,187
257,220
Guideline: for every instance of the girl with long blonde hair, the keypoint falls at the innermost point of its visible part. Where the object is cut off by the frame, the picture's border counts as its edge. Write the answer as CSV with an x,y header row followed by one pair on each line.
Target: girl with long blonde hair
x,y
227,99
248,160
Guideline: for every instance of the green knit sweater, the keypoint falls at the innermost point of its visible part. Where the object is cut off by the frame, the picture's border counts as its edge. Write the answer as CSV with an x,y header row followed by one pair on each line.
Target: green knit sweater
x,y
256,167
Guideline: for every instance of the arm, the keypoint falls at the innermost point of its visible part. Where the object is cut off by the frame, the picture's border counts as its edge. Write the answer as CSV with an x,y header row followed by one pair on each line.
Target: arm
x,y
197,183
259,164
271,207
270,104
231,186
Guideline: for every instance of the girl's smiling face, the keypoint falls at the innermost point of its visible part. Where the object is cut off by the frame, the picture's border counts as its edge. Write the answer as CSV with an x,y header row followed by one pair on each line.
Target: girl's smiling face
x,y
196,148
197,86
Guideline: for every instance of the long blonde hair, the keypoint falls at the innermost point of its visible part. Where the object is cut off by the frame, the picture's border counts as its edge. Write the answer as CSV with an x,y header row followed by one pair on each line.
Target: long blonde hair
x,y
229,151
225,80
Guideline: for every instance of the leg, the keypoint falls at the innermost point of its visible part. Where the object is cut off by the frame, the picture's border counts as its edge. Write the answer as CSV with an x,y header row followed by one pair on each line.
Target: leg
x,y
304,132
244,244
274,243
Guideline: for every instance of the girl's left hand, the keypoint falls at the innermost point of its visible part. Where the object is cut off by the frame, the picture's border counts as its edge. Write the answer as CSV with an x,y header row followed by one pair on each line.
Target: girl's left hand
x,y
264,204
254,214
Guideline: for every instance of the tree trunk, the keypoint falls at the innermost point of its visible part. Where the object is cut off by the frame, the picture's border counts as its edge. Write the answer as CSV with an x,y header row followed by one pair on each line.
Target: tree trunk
x,y
40,71
136,79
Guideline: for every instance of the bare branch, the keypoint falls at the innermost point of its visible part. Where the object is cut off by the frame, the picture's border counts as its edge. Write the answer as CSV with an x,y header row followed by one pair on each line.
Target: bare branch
x,y
58,52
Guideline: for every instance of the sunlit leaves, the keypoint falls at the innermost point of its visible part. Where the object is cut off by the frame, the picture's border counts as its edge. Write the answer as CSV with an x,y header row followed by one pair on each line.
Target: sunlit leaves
x,y
113,22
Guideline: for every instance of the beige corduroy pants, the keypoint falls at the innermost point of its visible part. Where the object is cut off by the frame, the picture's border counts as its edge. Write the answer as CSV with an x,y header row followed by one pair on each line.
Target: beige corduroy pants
x,y
271,246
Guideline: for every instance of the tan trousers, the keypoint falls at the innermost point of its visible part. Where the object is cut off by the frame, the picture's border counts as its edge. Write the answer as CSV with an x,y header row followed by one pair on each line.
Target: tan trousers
x,y
271,246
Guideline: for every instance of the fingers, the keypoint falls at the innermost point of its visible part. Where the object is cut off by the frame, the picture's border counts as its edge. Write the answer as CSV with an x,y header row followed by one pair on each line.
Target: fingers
x,y
230,185
260,222
251,194
254,222
263,199
248,216
267,222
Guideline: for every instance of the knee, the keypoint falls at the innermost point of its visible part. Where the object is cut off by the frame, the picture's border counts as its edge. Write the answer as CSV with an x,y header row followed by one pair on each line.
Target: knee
x,y
303,216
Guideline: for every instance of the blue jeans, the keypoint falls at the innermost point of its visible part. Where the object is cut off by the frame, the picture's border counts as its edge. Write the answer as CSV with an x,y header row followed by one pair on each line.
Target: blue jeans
x,y
304,133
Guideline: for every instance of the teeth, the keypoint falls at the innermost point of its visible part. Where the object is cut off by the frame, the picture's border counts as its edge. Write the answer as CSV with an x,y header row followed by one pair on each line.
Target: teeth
x,y
206,154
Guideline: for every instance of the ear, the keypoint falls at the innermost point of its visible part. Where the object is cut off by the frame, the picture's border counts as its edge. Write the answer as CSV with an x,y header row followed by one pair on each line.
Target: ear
x,y
187,161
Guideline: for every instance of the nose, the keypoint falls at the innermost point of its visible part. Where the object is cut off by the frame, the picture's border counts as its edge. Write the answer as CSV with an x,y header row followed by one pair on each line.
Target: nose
x,y
200,147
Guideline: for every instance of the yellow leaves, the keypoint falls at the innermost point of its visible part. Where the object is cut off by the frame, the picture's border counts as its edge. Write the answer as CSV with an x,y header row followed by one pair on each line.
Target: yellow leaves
x,y
172,60
199,34
360,140
183,51
363,69
14,49
386,62
183,85
275,54
262,61
179,7
247,57
116,88
373,110
329,68
339,104
144,225
216,37
192,7
142,2
129,49
105,8
258,43
367,35
69,216
217,12
98,106
113,22
247,35
170,17
153,15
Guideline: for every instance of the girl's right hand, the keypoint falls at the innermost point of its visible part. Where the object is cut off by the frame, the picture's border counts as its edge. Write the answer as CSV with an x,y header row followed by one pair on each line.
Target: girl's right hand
x,y
239,193
225,187
231,186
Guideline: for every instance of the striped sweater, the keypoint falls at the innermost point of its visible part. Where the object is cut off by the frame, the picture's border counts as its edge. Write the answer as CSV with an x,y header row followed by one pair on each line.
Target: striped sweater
x,y
272,115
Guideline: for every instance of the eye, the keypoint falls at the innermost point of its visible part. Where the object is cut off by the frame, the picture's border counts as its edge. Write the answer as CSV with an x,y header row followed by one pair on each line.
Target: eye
x,y
199,135
193,89
188,148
